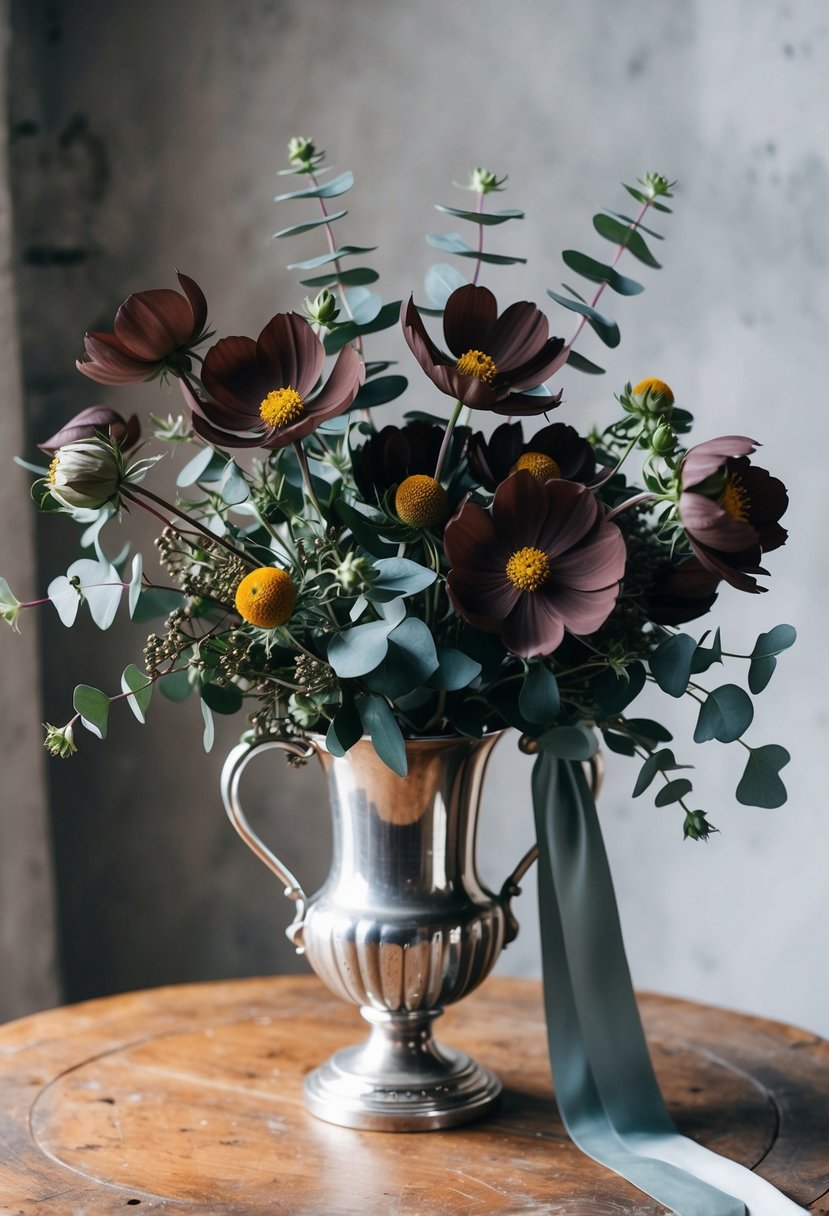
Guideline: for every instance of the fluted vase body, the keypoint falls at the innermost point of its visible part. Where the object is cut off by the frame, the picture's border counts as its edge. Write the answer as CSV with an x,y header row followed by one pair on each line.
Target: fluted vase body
x,y
401,927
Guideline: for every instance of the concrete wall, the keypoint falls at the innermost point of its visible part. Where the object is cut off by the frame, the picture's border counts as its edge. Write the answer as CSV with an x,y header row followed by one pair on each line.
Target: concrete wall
x,y
146,136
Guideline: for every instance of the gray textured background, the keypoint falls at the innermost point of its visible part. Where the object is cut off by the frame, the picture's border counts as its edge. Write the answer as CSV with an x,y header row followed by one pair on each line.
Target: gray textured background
x,y
145,137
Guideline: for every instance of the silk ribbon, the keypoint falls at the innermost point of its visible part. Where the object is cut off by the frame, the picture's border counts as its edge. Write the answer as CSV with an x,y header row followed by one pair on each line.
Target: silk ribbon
x,y
605,1086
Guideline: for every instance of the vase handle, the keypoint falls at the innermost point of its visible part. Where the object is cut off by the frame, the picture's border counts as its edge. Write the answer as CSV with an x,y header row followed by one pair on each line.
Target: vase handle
x,y
594,772
234,767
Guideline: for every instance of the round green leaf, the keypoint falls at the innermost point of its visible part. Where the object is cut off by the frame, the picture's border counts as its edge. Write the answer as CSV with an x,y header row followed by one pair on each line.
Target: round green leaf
x,y
760,784
725,714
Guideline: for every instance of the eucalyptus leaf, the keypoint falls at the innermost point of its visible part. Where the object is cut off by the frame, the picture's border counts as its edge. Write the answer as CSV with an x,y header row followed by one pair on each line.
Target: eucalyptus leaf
x,y
134,590
780,638
486,218
409,661
706,656
760,784
441,280
671,663
621,744
725,714
363,304
380,391
388,315
330,189
324,259
673,792
209,735
455,670
662,761
344,729
620,234
155,602
309,225
93,706
580,364
598,272
140,689
197,467
177,686
760,671
380,723
614,692
539,699
66,599
648,730
223,698
358,650
397,576
354,276
101,586
605,327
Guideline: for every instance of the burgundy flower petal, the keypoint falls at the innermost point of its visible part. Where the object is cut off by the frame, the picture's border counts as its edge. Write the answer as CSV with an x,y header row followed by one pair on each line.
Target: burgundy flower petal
x,y
490,461
520,511
595,565
702,461
682,593
574,456
341,387
767,499
479,596
421,345
470,540
85,425
222,438
707,522
231,374
736,569
572,513
290,354
541,367
583,612
152,324
198,304
516,404
107,361
517,336
534,628
468,320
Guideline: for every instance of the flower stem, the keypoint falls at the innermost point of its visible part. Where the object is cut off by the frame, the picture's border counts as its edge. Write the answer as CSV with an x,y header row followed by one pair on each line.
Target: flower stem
x,y
136,494
444,447
646,496
306,477
479,208
332,245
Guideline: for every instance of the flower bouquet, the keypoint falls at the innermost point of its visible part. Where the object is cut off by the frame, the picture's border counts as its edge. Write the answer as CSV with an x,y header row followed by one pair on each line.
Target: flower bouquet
x,y
358,583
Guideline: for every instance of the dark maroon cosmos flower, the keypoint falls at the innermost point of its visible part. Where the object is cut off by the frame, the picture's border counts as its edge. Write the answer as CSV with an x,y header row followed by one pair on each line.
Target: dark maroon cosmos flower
x,y
730,509
154,332
681,593
545,560
96,420
556,450
394,453
493,359
259,391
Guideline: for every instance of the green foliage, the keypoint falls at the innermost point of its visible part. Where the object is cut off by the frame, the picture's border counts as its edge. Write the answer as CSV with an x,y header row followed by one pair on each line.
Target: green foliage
x,y
139,689
605,327
539,699
93,706
671,663
381,725
725,714
760,784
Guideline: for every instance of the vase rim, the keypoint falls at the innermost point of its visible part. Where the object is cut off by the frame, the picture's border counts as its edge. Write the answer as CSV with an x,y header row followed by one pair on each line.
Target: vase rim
x,y
318,741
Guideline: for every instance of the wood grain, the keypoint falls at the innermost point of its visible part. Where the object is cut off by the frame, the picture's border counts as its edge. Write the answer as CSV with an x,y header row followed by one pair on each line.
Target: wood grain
x,y
189,1100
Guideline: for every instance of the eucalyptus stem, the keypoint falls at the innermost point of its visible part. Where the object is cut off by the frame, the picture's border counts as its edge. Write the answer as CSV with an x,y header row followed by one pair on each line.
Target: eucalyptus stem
x,y
636,501
479,208
332,245
597,294
444,447
136,493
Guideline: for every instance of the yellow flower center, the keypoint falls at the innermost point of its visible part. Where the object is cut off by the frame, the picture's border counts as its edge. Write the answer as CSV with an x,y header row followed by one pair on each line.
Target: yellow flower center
x,y
543,468
735,499
281,406
476,363
53,469
656,387
266,597
421,501
528,569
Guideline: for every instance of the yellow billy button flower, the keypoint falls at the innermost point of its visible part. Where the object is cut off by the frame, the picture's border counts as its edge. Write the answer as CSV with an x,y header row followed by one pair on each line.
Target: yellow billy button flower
x,y
542,467
281,406
266,597
659,395
476,363
528,569
421,501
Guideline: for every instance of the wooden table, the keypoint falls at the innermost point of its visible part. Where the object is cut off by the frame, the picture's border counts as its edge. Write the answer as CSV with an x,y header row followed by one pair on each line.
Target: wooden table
x,y
189,1099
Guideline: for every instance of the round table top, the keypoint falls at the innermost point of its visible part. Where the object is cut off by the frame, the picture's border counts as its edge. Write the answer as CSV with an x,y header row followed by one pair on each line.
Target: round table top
x,y
189,1099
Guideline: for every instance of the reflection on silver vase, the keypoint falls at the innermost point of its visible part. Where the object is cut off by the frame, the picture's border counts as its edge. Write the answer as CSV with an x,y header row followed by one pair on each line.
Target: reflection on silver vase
x,y
402,926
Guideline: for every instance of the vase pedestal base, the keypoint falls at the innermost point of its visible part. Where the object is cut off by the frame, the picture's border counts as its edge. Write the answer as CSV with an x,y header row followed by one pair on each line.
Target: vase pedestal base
x,y
400,1080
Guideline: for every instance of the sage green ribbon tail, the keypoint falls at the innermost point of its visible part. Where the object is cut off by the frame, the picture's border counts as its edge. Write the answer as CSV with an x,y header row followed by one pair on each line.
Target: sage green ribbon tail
x,y
605,1085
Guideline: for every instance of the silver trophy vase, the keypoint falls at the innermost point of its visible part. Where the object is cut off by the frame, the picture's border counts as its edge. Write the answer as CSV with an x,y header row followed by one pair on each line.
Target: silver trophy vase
x,y
401,927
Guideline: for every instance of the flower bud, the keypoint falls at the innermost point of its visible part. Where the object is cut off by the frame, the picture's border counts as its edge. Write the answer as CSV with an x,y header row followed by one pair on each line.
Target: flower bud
x,y
305,708
60,740
87,473
352,573
663,440
656,185
302,151
323,310
483,181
